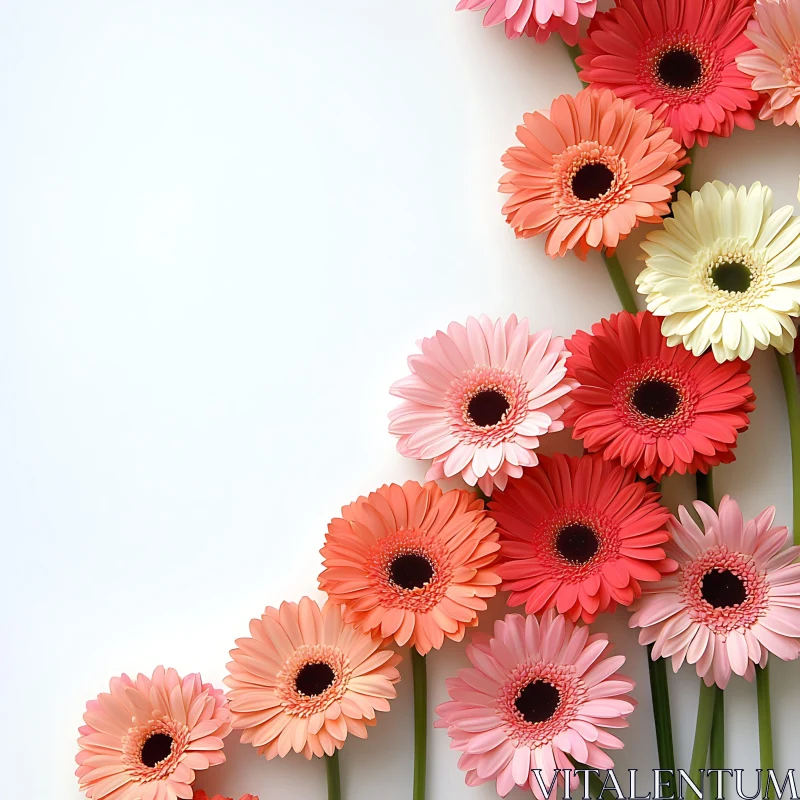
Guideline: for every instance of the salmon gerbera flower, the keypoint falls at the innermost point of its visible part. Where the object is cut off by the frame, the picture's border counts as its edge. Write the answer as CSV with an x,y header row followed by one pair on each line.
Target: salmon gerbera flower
x,y
589,173
478,399
734,599
304,679
579,534
655,408
146,738
677,60
412,563
538,698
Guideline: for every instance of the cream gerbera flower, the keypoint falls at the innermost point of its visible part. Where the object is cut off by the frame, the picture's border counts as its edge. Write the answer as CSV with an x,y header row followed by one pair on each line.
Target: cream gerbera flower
x,y
725,272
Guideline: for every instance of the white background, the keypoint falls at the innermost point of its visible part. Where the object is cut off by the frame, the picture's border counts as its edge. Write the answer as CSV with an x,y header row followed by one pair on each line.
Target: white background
x,y
223,225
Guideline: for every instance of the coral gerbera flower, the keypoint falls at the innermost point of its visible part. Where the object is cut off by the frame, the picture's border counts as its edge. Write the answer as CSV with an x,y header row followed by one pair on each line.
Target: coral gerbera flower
x,y
304,679
590,173
199,794
579,534
725,272
145,739
676,59
656,408
478,399
538,698
537,18
412,563
734,599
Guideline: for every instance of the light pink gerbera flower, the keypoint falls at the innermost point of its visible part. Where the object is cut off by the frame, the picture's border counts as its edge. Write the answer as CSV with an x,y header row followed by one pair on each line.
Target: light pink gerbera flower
x,y
538,697
478,399
146,738
536,18
734,599
677,60
775,63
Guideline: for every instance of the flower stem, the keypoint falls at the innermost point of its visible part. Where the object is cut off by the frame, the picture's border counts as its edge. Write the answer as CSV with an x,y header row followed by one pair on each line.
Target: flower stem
x,y
789,378
620,284
764,726
574,51
420,723
702,735
659,689
705,487
716,759
688,171
334,781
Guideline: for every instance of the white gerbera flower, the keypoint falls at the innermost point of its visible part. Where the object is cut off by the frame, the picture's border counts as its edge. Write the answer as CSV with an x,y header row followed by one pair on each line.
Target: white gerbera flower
x,y
725,272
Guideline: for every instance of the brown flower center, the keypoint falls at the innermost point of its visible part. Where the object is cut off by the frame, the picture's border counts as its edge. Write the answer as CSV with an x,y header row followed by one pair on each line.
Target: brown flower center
x,y
722,589
487,408
538,701
410,571
156,748
577,543
592,181
656,399
679,69
313,679
732,276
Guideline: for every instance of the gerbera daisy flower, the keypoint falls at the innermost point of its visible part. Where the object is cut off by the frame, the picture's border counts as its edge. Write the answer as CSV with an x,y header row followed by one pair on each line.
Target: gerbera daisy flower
x,y
579,534
724,272
734,599
199,794
539,696
146,738
412,563
590,173
478,399
536,18
676,59
304,679
656,408
774,64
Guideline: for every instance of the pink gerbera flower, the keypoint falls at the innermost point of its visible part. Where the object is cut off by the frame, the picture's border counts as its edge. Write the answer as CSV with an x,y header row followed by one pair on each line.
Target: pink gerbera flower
x,y
775,63
579,534
478,399
537,18
655,408
734,599
146,738
538,698
676,59
590,173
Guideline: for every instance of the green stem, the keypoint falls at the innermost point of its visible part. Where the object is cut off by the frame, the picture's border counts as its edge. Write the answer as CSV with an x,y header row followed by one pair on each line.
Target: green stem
x,y
574,51
688,171
620,284
705,488
716,759
420,723
764,727
659,689
789,378
334,780
702,735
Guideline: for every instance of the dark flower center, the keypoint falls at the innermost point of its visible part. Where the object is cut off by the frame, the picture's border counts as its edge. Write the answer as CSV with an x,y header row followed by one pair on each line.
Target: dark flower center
x,y
722,589
410,571
680,69
592,181
732,277
156,748
314,679
538,701
656,399
487,408
577,543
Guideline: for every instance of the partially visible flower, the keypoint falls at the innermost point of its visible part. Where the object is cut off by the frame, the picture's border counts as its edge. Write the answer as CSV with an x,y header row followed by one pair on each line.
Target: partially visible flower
x,y
676,59
304,680
478,399
734,599
590,173
655,408
579,534
536,18
539,696
725,272
199,794
412,563
775,63
146,738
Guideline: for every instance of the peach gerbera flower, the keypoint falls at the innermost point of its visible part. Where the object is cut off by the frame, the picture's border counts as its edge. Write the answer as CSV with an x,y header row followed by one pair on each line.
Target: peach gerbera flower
x,y
146,738
590,173
412,562
775,63
304,679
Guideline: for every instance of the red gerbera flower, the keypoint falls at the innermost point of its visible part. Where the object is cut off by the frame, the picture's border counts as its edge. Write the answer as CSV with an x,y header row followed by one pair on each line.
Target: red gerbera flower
x,y
676,59
578,534
655,408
